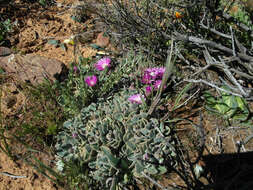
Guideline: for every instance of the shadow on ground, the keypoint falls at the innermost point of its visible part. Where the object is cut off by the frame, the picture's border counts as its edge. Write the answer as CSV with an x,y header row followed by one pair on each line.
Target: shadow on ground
x,y
230,171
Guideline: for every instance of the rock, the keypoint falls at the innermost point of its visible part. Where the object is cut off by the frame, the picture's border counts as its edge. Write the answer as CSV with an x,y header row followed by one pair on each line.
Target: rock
x,y
85,37
4,51
33,68
102,40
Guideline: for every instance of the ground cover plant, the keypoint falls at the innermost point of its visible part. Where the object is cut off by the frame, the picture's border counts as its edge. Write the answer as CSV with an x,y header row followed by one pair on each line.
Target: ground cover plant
x,y
114,135
114,122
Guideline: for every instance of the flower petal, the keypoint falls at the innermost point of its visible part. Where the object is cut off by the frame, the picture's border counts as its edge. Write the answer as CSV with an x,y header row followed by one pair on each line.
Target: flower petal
x,y
103,63
136,98
91,80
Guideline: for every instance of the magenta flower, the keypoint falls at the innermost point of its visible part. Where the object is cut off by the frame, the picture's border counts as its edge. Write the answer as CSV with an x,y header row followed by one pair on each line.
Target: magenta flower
x,y
145,156
136,98
74,135
91,80
152,74
146,78
103,63
75,68
157,84
148,90
160,72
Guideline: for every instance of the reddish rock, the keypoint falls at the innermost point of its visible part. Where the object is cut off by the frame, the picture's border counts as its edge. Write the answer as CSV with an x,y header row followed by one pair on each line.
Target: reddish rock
x,y
33,68
102,40
4,51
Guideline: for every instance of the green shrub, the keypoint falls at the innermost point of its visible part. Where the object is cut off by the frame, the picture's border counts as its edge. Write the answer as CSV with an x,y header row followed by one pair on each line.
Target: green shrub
x,y
5,27
117,141
75,93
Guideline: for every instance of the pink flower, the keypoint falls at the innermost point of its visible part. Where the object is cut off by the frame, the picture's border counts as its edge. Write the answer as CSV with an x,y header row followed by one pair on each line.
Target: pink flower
x,y
91,80
157,84
148,90
103,63
145,156
146,79
152,74
75,68
160,72
136,98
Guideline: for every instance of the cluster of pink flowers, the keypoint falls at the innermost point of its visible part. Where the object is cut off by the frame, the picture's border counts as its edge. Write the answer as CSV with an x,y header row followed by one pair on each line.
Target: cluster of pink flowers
x,y
101,65
152,74
153,78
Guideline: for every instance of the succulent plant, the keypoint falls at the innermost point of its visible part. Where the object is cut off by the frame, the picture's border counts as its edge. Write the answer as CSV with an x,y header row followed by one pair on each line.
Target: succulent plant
x,y
117,140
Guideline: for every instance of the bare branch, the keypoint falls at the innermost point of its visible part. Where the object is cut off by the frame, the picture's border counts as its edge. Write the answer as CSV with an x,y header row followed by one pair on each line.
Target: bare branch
x,y
215,31
212,85
199,41
233,42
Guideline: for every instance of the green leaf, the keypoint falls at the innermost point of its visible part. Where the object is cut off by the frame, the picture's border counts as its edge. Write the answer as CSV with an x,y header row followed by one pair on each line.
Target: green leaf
x,y
53,42
131,145
180,96
123,165
42,2
138,169
75,18
52,128
63,46
126,179
209,98
241,103
144,131
152,170
67,124
198,170
95,46
230,101
1,70
162,170
113,160
241,117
